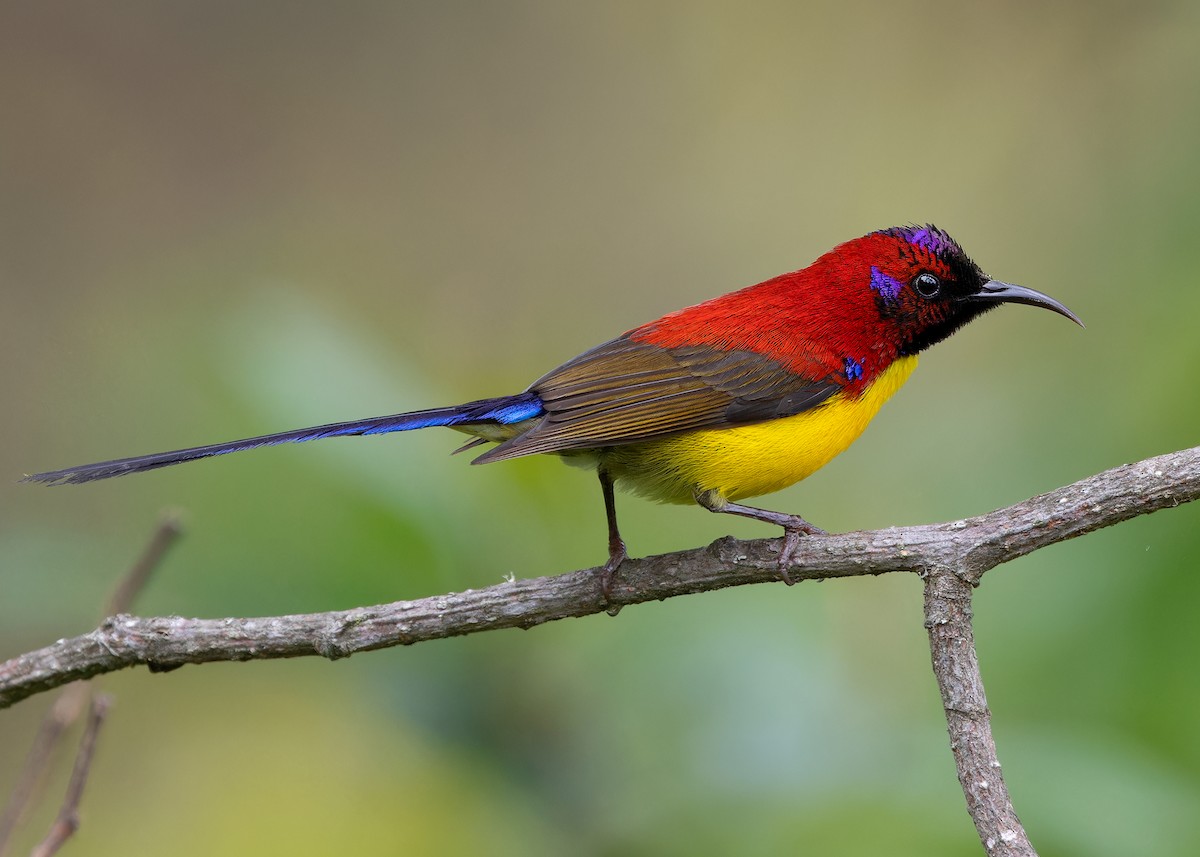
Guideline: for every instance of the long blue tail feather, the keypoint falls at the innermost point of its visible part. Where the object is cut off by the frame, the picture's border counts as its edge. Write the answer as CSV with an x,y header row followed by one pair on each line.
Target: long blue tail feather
x,y
504,411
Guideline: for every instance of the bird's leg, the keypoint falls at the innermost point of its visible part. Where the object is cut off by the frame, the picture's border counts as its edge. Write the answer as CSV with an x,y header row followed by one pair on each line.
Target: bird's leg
x,y
616,545
793,525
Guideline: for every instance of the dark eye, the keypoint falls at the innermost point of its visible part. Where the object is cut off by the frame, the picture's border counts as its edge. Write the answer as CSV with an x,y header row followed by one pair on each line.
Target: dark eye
x,y
927,285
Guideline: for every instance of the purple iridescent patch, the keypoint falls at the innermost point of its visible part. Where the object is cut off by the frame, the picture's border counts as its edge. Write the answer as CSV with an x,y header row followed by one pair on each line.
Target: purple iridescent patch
x,y
888,287
853,369
929,238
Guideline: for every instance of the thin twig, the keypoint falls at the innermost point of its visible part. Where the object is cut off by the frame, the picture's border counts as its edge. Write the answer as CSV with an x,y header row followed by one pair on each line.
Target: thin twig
x,y
65,710
169,528
68,816
74,699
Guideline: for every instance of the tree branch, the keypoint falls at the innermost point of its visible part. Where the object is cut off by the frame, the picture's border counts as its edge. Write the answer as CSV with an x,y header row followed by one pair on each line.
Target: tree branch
x,y
952,557
72,701
968,720
970,546
66,709
67,822
169,529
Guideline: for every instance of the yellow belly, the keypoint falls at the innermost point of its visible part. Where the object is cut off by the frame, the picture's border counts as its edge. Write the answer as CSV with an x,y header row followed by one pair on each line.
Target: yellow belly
x,y
746,461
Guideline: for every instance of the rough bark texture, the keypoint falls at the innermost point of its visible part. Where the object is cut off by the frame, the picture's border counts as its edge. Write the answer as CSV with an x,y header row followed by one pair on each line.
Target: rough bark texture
x,y
952,645
952,557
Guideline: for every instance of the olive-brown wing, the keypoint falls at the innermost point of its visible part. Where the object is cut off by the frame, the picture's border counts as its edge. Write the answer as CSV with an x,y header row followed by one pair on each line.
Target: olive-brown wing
x,y
626,391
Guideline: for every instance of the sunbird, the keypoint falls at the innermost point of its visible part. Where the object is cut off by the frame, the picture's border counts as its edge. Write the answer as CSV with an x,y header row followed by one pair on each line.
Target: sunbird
x,y
736,397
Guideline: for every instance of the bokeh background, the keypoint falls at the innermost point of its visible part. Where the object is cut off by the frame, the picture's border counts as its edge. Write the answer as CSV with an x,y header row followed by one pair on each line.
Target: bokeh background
x,y
223,219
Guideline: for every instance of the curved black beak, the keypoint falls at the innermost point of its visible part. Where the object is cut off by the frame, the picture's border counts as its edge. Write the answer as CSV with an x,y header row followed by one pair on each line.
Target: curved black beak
x,y
994,291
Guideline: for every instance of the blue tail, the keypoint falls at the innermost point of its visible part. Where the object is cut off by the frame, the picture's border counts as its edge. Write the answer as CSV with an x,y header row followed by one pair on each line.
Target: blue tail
x,y
503,411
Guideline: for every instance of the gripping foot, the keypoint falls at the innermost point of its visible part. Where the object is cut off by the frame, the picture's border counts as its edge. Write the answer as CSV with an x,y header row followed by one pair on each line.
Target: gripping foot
x,y
794,527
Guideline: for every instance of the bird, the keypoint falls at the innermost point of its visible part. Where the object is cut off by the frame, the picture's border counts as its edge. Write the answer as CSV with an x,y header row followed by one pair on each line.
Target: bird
x,y
733,398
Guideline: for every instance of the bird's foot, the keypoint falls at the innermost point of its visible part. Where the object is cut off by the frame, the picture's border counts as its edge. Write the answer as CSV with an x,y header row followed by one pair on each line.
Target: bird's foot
x,y
794,529
607,572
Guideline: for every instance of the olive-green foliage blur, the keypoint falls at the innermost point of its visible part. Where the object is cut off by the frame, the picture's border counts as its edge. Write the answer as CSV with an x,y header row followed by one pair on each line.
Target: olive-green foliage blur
x,y
223,219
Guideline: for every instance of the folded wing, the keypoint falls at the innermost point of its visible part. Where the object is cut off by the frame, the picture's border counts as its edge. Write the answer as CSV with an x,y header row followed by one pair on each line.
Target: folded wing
x,y
626,391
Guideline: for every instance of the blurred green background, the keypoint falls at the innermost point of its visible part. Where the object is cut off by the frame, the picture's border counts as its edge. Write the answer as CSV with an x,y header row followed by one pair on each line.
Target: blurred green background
x,y
223,219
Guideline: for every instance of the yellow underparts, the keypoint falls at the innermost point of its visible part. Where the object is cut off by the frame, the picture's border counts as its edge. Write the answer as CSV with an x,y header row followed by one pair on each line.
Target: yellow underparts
x,y
746,461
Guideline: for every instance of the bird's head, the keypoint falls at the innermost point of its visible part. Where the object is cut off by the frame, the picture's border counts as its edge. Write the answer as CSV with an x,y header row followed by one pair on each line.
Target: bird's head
x,y
923,286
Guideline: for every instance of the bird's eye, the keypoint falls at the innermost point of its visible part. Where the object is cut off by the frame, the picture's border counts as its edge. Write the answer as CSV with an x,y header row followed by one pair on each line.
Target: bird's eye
x,y
927,285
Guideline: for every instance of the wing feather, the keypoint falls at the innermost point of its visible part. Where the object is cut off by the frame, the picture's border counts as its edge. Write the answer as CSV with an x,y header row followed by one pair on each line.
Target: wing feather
x,y
626,391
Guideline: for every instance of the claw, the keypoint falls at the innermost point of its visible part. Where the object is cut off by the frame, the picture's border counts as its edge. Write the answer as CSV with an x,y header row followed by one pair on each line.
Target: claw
x,y
793,525
607,572
791,543
793,531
